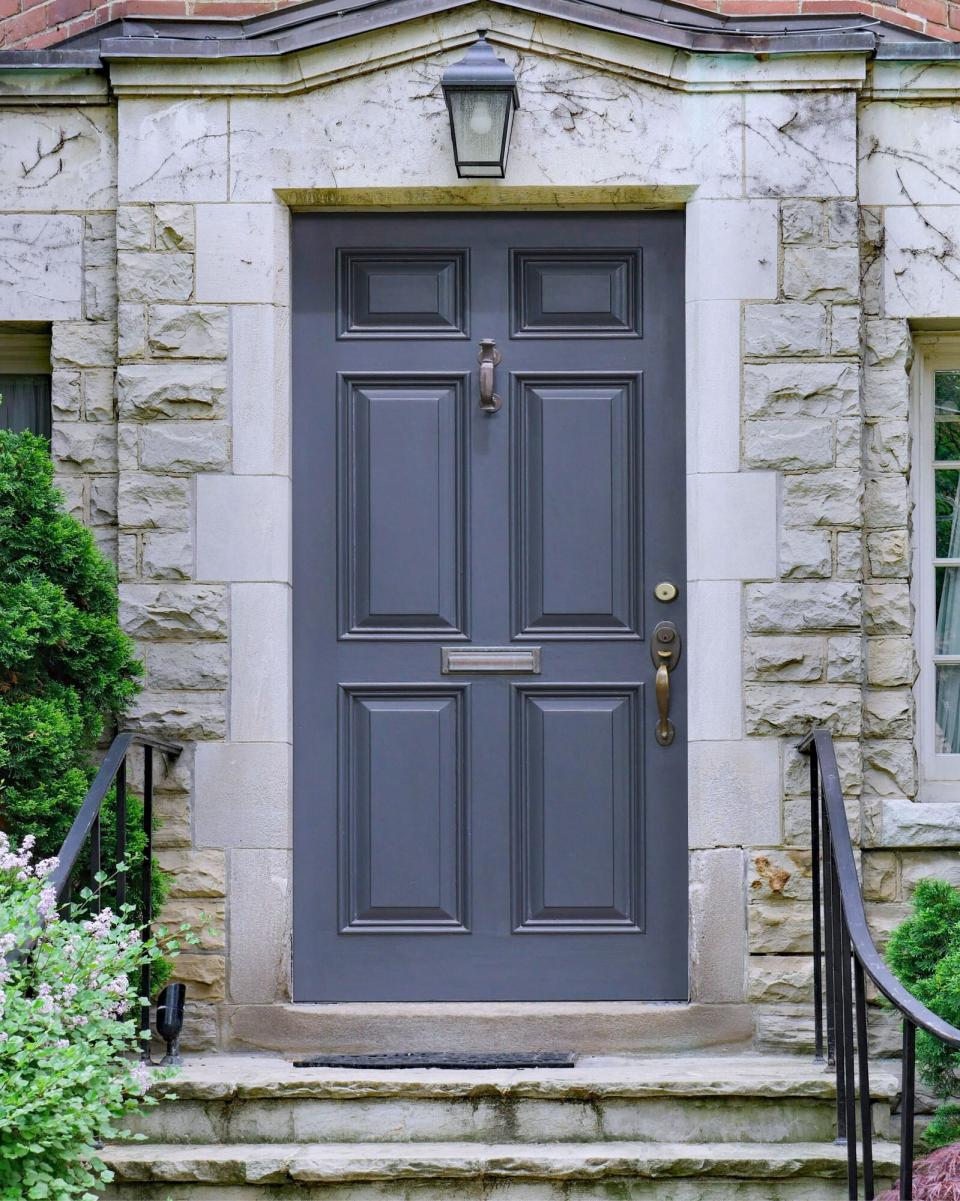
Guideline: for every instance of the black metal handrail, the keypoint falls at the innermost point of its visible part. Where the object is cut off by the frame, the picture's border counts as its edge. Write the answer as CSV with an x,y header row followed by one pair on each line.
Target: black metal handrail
x,y
86,825
841,938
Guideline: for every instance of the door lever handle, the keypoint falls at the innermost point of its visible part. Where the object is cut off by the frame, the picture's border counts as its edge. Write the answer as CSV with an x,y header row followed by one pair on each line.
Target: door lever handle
x,y
665,652
488,358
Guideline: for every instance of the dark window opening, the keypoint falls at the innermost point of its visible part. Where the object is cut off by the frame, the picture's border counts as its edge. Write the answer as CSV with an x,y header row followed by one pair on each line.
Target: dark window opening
x,y
25,401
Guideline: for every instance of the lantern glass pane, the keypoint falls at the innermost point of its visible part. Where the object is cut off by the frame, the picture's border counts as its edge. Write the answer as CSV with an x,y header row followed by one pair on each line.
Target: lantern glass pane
x,y
479,119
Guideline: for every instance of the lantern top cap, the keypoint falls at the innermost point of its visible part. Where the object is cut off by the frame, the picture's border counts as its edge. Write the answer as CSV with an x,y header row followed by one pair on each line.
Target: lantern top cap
x,y
480,68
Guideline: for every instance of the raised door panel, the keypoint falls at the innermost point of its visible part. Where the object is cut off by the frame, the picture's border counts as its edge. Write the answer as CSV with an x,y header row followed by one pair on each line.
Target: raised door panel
x,y
403,797
402,507
402,294
578,819
575,293
576,512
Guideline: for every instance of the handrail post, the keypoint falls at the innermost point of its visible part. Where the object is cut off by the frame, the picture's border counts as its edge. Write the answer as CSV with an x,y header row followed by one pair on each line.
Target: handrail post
x,y
146,888
817,930
95,863
828,904
863,1054
907,1106
846,1018
120,792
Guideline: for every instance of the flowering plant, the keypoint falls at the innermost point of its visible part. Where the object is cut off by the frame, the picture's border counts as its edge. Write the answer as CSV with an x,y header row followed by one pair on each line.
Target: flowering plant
x,y
69,1021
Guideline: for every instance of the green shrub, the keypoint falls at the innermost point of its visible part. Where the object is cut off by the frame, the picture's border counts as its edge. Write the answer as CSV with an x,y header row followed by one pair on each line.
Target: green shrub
x,y
924,953
66,668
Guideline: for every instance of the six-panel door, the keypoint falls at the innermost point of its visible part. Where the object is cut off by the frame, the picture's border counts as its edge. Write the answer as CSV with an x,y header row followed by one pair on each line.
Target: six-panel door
x,y
461,832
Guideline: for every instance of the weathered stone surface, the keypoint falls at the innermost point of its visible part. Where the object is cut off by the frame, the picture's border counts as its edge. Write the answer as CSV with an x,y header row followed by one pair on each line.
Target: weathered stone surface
x,y
887,445
73,491
181,715
150,390
83,344
902,823
887,713
783,709
849,555
171,611
203,974
889,768
204,665
848,439
843,219
779,875
173,227
770,658
888,552
890,662
788,445
150,276
66,396
154,501
128,447
103,500
188,331
85,446
173,817
773,978
844,659
796,770
771,608
184,446
822,498
887,357
887,609
928,865
772,330
778,926
175,149
260,930
886,501
134,227
800,389
805,554
99,394
100,294
128,556
845,329
167,555
821,273
800,144
802,220
132,324
201,1032
41,268
204,916
880,876
785,1028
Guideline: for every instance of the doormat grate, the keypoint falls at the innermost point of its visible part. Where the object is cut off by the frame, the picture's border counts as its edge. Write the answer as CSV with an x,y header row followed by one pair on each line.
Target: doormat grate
x,y
442,1059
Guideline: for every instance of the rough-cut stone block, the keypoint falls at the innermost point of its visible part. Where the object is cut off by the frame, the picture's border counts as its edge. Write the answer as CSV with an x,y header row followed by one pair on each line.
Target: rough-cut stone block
x,y
171,611
205,919
184,446
773,978
181,715
103,500
203,975
800,389
154,502
849,555
796,770
167,555
73,491
173,822
890,662
84,446
822,498
188,331
888,713
132,331
772,658
734,793
805,554
775,874
128,447
887,446
889,768
173,226
778,926
886,501
784,709
41,268
772,330
99,389
149,390
243,794
100,294
927,865
259,926
83,344
150,277
772,608
202,665
788,445
844,659
134,227
880,876
887,358
174,149
802,221
821,273
848,439
800,144
887,609
902,823
845,329
66,395
128,556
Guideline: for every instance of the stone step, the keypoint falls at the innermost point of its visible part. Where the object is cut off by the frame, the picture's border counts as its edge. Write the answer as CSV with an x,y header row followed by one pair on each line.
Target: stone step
x,y
536,1172
721,1099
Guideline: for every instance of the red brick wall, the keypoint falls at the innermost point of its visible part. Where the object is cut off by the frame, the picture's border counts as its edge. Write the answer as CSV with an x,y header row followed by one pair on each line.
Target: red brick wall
x,y
32,24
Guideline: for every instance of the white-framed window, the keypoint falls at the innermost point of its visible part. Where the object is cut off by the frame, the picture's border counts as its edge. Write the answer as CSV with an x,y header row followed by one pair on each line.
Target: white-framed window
x,y
936,562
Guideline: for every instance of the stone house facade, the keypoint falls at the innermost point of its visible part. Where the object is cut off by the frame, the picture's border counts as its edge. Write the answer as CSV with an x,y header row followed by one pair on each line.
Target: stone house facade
x,y
147,194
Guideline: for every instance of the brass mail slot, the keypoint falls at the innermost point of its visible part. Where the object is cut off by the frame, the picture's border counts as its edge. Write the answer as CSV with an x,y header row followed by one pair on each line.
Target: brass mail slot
x,y
510,659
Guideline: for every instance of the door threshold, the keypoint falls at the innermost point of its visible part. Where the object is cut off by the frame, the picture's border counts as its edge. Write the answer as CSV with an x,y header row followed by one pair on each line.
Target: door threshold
x,y
582,1027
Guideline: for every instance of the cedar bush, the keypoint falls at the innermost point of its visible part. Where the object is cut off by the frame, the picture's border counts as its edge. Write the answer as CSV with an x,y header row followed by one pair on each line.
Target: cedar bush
x,y
66,667
924,953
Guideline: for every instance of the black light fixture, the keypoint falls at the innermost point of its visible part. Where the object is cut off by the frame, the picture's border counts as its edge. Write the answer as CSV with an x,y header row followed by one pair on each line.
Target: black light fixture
x,y
169,1021
481,95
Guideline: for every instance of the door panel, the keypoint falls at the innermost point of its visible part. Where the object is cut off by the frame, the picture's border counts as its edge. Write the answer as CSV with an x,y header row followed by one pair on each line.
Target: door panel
x,y
513,832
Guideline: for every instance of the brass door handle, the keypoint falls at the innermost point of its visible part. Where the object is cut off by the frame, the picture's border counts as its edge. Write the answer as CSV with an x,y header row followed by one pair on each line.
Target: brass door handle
x,y
665,652
488,358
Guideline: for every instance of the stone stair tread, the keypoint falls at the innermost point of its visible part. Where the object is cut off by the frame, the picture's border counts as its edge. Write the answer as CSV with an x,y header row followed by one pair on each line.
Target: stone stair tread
x,y
281,1163
249,1077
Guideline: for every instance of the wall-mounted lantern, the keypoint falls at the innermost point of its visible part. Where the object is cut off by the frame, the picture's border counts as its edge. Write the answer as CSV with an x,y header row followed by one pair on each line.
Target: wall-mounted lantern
x,y
481,96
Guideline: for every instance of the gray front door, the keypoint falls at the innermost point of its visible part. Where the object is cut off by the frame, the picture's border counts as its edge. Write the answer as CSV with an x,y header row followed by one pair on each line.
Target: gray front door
x,y
504,826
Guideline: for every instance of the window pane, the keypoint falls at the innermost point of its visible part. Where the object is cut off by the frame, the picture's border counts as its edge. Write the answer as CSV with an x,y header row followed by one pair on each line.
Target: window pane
x,y
947,730
947,393
947,501
948,611
946,437
25,403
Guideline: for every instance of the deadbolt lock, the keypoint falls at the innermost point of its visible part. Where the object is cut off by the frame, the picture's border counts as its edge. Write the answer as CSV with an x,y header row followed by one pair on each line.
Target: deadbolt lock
x,y
665,591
